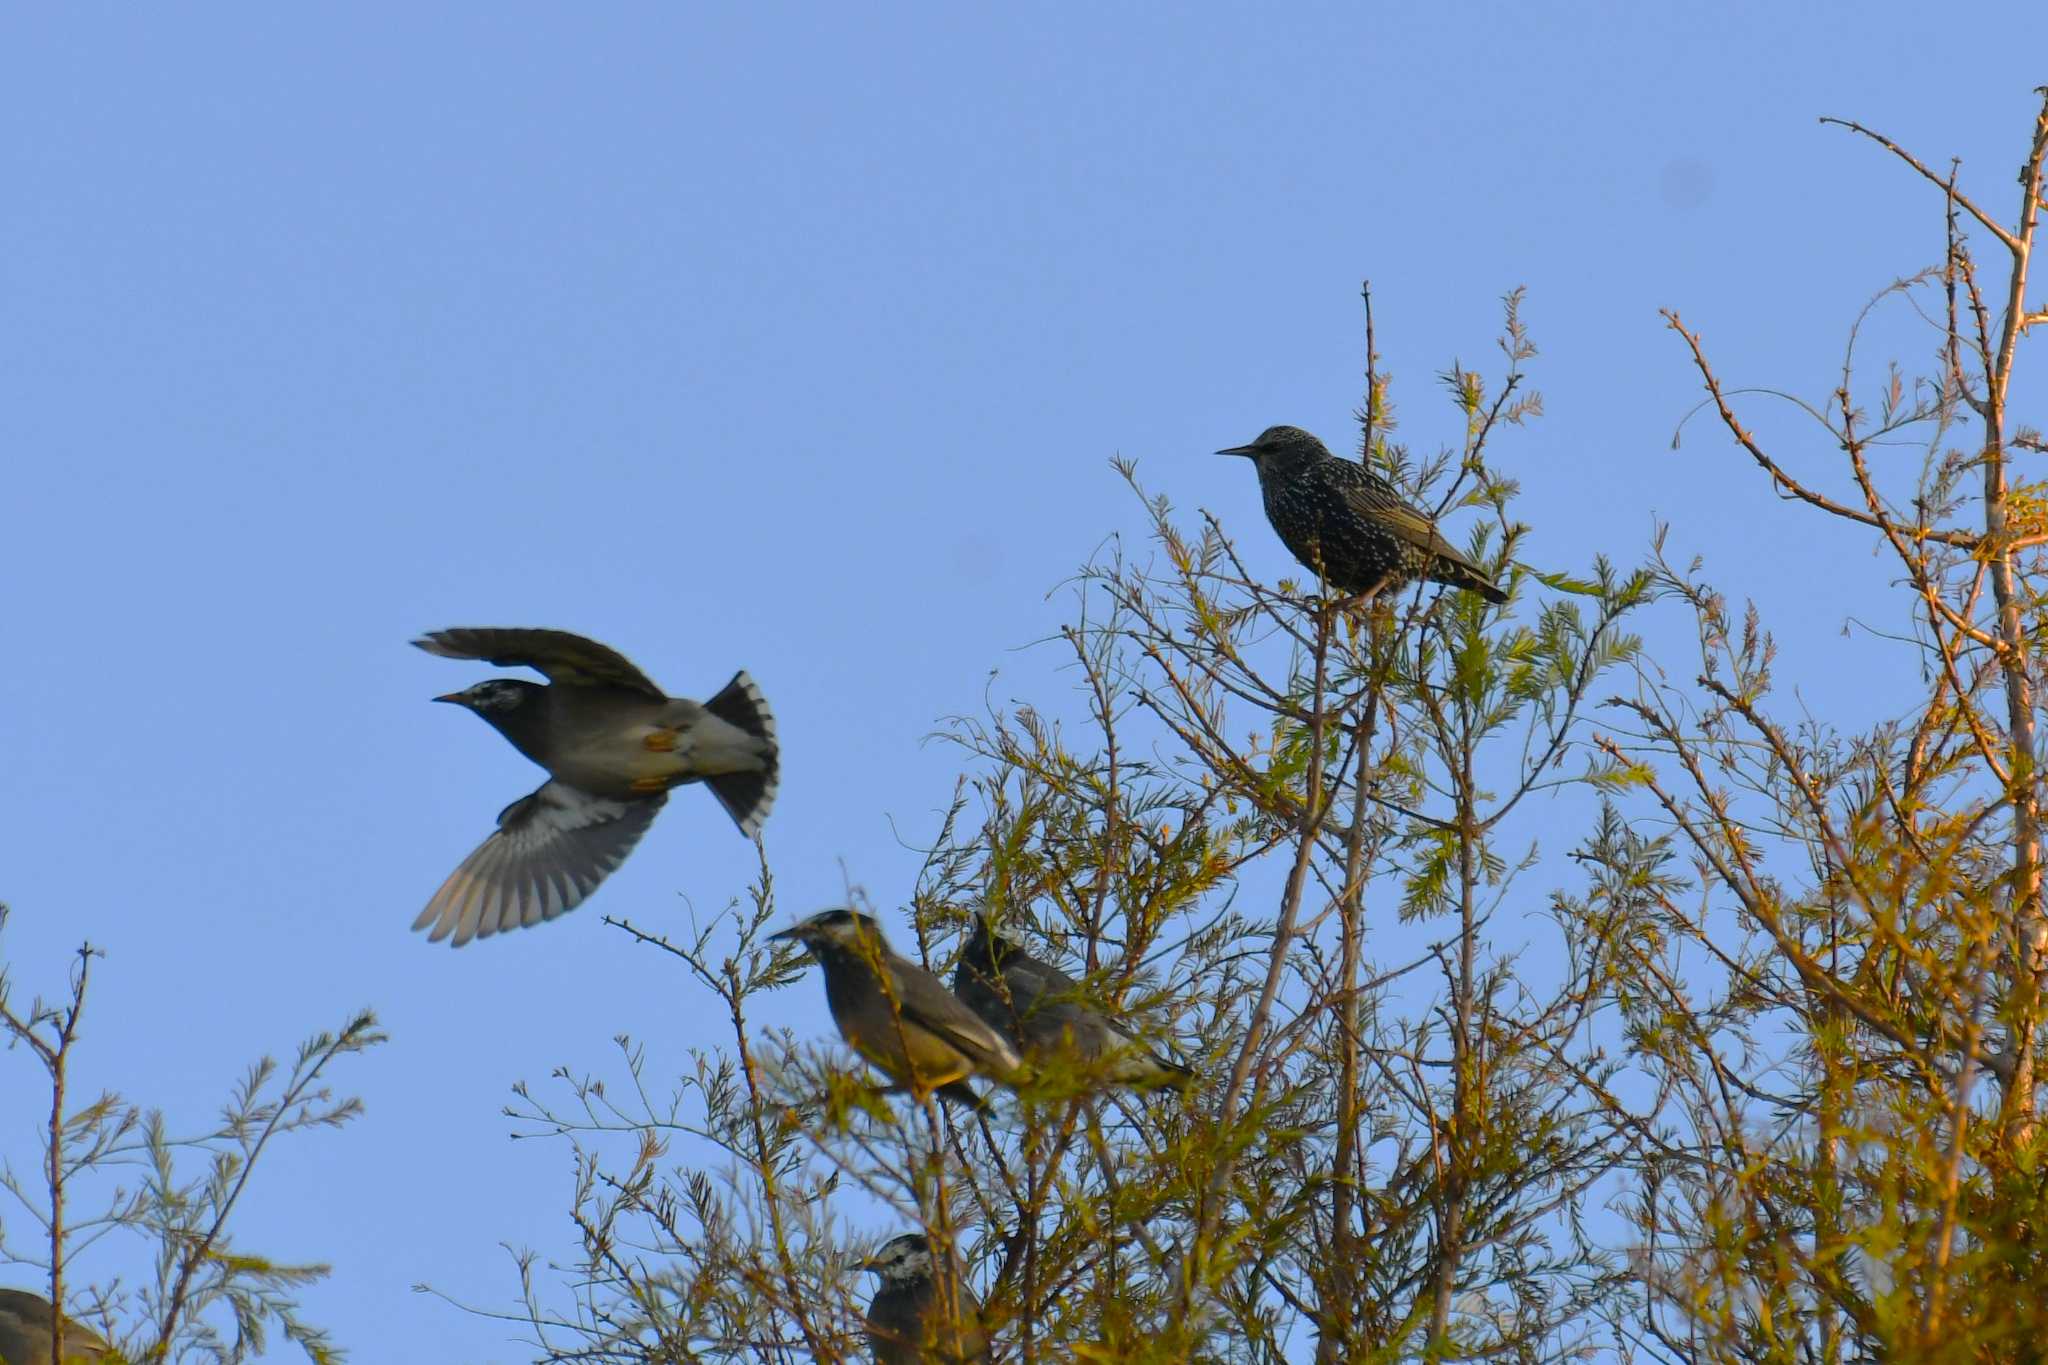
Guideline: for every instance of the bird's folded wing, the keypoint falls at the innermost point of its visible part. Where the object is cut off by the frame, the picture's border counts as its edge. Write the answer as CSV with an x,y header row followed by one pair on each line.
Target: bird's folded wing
x,y
1030,979
1047,1000
559,655
25,1331
551,850
925,1001
1059,1009
1403,520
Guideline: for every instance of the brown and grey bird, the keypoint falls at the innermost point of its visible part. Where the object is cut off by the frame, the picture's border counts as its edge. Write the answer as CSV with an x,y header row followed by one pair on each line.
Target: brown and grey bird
x,y
906,1321
25,1337
900,1017
1044,1013
1344,521
613,745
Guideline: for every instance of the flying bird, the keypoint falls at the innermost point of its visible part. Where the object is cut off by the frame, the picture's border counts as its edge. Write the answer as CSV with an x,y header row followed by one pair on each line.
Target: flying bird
x,y
900,1017
613,745
1348,524
906,1323
1042,1011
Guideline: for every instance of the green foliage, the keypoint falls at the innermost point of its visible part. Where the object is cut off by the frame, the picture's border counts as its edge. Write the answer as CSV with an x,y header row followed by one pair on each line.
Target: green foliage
x,y
112,1169
1834,945
1770,1093
1388,1143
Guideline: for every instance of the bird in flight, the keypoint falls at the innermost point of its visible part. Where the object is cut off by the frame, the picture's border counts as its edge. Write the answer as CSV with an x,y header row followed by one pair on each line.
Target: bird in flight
x,y
613,745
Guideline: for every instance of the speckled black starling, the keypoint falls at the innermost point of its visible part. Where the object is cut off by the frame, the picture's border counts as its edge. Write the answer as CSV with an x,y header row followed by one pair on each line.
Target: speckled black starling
x,y
1340,519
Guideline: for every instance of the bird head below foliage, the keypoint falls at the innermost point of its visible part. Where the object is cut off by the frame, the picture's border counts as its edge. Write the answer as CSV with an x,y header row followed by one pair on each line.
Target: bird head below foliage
x,y
987,945
1280,450
901,1260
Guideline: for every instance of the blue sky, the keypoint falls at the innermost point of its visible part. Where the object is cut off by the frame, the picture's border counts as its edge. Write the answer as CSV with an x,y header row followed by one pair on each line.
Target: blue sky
x,y
796,341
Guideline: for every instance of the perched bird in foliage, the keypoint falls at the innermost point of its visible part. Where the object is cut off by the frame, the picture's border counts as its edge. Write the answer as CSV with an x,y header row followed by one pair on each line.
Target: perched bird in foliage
x,y
613,744
1344,521
900,1017
1042,1011
905,1323
25,1332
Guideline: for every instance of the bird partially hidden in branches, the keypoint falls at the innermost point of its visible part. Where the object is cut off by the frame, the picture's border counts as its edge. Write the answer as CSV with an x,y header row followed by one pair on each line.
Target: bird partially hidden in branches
x,y
1044,1014
25,1337
898,1016
904,1326
1348,524
613,744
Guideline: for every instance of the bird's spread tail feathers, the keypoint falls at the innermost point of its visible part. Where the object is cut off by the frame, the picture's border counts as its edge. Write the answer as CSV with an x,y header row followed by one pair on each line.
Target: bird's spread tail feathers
x,y
747,796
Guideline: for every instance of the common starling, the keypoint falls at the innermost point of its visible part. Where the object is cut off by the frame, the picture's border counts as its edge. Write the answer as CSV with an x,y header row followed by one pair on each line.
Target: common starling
x,y
1344,521
1041,1010
25,1332
902,1326
613,744
916,1030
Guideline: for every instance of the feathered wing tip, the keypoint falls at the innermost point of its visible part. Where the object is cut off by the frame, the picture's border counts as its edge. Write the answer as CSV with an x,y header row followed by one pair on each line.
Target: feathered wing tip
x,y
963,1094
1168,1072
550,851
1139,1064
747,797
1463,573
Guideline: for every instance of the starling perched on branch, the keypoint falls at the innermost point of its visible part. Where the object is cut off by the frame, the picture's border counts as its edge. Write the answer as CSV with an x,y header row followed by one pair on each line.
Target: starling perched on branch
x,y
1348,524
1041,1010
899,1016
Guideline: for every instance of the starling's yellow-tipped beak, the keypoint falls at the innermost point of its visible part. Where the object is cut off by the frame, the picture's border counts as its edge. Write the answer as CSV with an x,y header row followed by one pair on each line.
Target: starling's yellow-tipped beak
x,y
1245,451
455,697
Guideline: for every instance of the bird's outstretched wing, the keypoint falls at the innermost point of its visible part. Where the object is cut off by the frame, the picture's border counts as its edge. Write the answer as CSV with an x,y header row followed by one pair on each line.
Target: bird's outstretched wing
x,y
561,656
551,850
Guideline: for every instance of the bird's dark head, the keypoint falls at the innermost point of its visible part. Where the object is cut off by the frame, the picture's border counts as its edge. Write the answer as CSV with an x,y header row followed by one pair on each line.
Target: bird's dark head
x,y
497,700
835,931
986,944
1280,451
901,1260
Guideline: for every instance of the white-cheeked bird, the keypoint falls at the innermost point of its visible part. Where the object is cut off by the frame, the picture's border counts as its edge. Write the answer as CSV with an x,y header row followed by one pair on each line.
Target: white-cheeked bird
x,y
613,744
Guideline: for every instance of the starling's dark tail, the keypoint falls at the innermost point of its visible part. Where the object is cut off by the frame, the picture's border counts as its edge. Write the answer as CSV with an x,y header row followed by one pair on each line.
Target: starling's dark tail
x,y
747,796
1463,573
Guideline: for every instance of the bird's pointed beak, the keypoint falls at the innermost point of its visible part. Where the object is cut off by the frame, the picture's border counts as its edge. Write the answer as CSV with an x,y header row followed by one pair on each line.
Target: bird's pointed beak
x,y
455,697
1245,451
793,933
